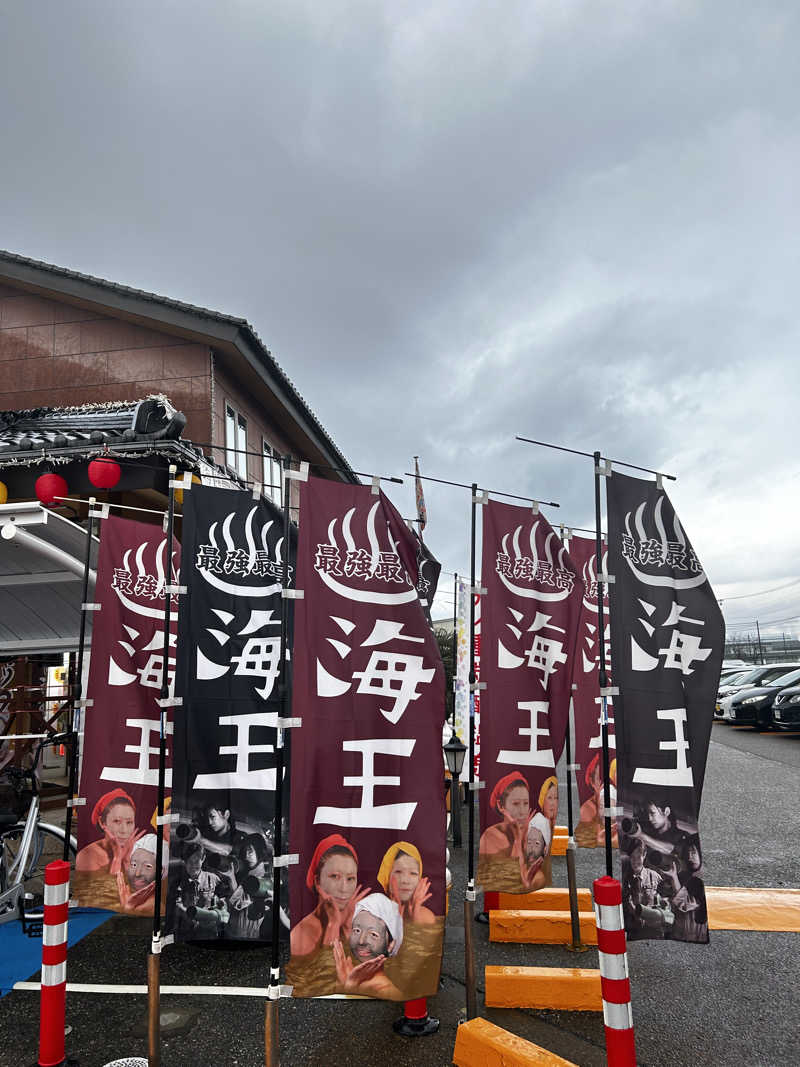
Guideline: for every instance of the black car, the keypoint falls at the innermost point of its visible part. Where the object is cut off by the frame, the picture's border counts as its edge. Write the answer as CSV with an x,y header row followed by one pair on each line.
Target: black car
x,y
754,706
786,708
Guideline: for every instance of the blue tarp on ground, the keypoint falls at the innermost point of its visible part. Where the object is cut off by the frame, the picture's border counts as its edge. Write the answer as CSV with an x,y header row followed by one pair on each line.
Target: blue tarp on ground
x,y
21,956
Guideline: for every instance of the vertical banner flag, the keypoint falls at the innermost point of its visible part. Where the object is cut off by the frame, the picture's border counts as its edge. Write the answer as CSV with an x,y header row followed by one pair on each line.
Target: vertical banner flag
x,y
590,831
422,513
529,620
428,570
462,667
229,676
667,643
367,799
116,862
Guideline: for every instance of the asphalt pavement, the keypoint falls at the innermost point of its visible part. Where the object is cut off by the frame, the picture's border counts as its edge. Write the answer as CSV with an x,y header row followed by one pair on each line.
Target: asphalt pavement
x,y
734,1001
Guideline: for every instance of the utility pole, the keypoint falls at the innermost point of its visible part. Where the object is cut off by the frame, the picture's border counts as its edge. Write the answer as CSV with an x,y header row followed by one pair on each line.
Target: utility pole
x,y
760,646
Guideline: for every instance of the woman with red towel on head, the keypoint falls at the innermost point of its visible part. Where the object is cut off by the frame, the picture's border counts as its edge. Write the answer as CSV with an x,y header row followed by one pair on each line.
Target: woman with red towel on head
x,y
507,839
333,873
114,815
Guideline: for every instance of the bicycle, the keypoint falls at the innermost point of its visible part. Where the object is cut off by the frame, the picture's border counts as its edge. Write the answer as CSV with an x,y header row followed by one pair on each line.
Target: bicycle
x,y
27,845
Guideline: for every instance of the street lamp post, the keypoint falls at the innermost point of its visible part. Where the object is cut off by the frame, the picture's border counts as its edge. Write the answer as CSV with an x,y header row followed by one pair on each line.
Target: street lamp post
x,y
454,752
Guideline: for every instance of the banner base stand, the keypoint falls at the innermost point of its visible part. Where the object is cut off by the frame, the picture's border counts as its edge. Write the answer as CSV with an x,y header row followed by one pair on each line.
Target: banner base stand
x,y
412,1024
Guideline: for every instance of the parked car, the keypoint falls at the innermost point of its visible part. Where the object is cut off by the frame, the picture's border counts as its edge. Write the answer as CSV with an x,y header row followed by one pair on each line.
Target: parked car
x,y
786,708
728,685
754,704
756,676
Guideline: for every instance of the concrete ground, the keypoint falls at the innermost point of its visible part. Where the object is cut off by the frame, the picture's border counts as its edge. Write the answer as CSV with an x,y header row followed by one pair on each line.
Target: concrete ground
x,y
735,1001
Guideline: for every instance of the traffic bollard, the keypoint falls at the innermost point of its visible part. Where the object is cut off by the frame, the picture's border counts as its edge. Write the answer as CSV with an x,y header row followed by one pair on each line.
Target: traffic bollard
x,y
54,965
614,981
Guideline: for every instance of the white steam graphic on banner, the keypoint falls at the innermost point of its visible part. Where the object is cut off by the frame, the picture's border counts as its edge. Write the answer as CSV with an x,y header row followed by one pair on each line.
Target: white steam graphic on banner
x,y
155,588
375,564
241,562
539,566
660,551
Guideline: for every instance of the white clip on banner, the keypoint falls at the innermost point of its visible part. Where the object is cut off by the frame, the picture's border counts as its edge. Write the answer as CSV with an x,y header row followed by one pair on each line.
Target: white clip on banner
x,y
376,486
99,511
477,686
175,590
90,607
288,860
481,497
300,475
88,703
256,490
478,590
292,594
288,723
604,469
610,691
76,802
170,702
476,785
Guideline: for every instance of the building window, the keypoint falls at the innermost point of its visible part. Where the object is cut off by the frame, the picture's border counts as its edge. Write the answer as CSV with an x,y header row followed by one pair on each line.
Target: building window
x,y
272,473
236,441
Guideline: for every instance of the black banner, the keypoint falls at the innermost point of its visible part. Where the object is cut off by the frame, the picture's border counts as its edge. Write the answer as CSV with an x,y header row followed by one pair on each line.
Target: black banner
x,y
228,674
428,571
667,643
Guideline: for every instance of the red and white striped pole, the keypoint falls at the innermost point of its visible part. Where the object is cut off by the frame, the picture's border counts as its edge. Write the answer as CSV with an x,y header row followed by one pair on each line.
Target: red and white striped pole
x,y
54,964
614,981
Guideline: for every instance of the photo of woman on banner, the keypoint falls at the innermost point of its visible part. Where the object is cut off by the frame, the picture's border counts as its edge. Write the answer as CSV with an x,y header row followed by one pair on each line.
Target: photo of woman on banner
x,y
114,816
591,829
400,875
376,934
333,874
689,895
504,847
250,882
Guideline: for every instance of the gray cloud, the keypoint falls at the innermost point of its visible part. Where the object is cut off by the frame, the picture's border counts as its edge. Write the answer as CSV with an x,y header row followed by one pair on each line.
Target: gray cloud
x,y
455,223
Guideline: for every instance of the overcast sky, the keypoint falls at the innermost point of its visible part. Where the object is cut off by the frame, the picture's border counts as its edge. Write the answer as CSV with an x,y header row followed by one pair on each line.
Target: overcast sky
x,y
456,222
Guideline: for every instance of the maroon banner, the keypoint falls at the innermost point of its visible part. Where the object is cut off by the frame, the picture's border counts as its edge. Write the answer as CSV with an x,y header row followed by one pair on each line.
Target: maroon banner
x,y
116,862
367,898
590,829
530,615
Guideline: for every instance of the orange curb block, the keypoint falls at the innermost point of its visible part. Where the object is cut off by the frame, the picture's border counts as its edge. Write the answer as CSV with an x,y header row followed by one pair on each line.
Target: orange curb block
x,y
480,1043
540,927
559,846
753,909
550,899
559,988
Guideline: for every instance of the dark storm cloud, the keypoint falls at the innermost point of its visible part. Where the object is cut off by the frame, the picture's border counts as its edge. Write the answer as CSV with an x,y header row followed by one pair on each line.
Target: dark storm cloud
x,y
452,223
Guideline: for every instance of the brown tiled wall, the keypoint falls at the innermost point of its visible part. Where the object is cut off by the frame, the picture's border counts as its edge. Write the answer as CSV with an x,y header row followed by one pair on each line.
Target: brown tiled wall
x,y
227,391
55,354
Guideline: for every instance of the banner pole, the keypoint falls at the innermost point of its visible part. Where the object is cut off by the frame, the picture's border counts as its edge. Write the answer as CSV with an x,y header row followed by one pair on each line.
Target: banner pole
x,y
469,901
577,945
154,960
455,644
602,675
77,686
271,1020
455,782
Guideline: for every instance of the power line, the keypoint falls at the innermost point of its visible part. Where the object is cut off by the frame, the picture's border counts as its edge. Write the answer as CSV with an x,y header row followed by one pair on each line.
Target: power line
x,y
763,592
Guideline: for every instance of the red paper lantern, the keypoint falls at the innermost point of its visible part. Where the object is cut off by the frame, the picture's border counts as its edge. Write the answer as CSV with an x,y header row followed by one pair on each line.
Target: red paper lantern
x,y
48,487
104,473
